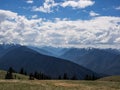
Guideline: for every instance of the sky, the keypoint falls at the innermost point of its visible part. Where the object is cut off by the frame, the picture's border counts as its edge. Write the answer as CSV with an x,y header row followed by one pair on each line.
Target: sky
x,y
60,23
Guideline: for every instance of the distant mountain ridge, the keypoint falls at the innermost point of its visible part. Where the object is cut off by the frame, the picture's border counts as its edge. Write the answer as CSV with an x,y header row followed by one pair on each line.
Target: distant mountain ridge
x,y
4,48
51,51
106,61
32,61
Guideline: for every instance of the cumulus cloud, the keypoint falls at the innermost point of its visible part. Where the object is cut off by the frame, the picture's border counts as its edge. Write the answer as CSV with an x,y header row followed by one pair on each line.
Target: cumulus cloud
x,y
92,13
47,6
29,1
117,8
77,3
117,40
102,30
4,15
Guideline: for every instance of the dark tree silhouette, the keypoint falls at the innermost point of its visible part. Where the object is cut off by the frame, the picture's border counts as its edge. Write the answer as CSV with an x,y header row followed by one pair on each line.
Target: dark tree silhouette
x,y
74,77
22,71
86,77
41,76
65,76
11,70
31,76
25,73
36,75
59,77
90,77
9,74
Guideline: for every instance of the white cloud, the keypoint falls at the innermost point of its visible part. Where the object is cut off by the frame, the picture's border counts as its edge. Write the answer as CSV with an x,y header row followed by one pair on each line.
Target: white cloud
x,y
29,1
47,6
92,13
4,15
77,3
117,8
117,40
102,31
35,16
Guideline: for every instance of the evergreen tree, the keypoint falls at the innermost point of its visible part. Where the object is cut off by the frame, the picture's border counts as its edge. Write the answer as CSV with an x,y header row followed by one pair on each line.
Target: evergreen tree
x,y
9,75
31,76
86,77
90,77
22,71
74,77
11,70
25,73
41,76
94,77
14,76
59,77
36,75
65,76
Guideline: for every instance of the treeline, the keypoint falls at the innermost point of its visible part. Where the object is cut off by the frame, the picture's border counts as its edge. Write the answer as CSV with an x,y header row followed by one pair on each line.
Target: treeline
x,y
42,76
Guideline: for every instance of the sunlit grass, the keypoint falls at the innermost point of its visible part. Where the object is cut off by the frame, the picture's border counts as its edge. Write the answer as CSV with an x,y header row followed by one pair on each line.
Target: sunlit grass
x,y
57,85
15,75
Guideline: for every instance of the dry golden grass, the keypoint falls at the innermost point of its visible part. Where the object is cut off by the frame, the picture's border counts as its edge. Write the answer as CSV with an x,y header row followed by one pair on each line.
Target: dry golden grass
x,y
66,84
58,85
110,78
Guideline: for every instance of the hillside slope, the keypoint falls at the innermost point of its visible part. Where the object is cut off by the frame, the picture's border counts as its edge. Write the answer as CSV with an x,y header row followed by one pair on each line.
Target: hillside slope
x,y
15,75
6,48
110,78
106,61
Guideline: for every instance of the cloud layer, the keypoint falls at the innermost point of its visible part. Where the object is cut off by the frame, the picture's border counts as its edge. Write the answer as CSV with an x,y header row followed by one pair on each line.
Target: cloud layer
x,y
102,30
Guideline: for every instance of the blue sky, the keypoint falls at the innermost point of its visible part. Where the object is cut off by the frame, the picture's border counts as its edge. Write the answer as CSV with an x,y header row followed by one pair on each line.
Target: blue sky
x,y
63,23
103,7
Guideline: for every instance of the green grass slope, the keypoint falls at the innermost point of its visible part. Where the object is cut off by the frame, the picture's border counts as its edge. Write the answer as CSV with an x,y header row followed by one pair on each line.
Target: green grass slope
x,y
110,78
58,85
15,75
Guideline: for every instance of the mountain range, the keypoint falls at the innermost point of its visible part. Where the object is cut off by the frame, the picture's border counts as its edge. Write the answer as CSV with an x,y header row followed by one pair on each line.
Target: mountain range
x,y
23,57
104,61
56,61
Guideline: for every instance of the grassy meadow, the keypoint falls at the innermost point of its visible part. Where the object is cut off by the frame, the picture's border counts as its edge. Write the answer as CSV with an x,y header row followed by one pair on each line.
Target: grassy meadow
x,y
21,82
15,75
58,85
